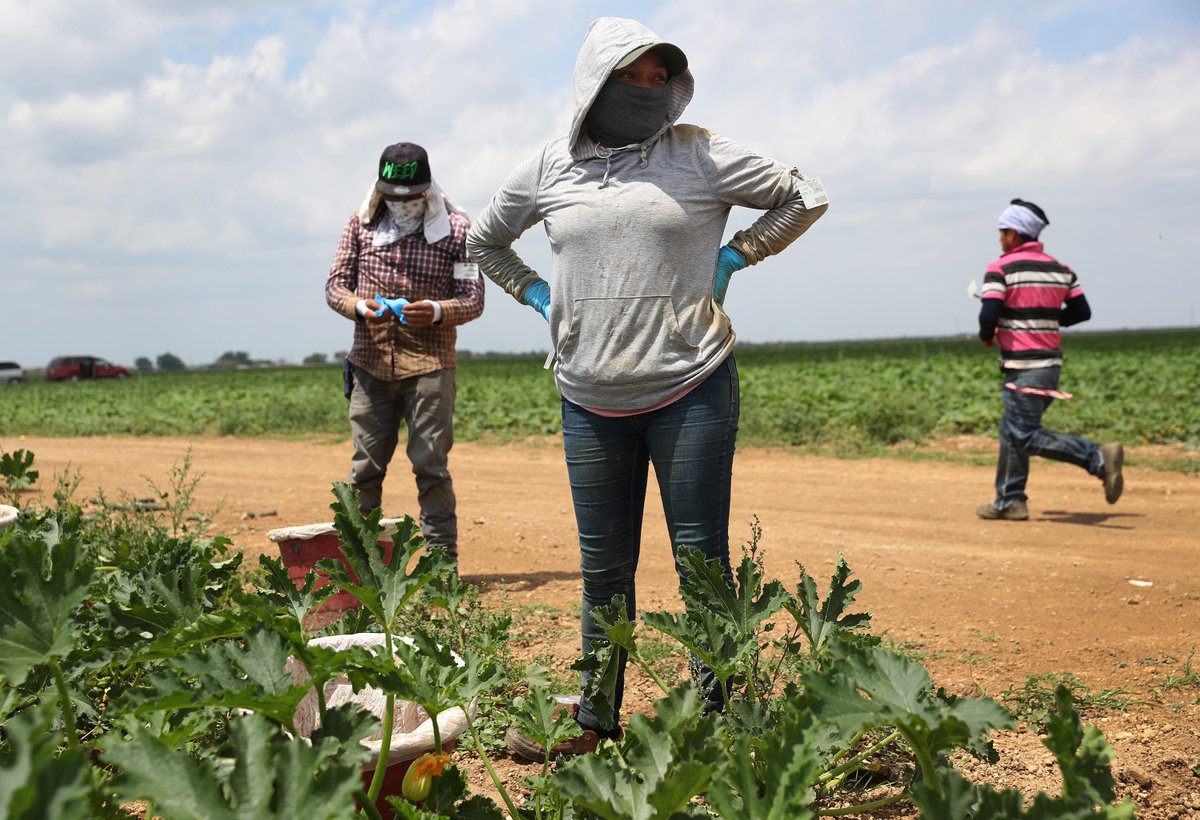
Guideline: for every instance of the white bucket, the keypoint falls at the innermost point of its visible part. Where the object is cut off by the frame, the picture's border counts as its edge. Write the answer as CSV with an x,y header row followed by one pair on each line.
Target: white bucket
x,y
412,733
8,514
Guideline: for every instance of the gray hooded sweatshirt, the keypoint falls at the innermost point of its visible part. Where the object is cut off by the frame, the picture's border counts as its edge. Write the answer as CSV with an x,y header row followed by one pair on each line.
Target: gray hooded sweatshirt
x,y
634,234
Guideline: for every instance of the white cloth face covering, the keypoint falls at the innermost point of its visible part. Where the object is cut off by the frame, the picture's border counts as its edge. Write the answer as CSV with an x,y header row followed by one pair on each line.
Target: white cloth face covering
x,y
404,217
404,211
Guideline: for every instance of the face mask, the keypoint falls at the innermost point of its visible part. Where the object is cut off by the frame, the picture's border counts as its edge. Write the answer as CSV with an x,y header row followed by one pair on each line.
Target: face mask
x,y
405,210
624,114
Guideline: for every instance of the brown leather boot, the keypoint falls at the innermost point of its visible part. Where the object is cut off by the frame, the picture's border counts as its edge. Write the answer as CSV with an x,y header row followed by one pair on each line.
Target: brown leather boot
x,y
1017,511
582,744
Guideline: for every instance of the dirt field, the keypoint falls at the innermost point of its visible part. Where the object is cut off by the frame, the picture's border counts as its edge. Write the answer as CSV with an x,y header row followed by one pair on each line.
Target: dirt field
x,y
988,603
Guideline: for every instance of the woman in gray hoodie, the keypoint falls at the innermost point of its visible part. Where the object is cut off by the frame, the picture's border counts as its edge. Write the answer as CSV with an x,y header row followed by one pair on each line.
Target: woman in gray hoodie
x,y
635,207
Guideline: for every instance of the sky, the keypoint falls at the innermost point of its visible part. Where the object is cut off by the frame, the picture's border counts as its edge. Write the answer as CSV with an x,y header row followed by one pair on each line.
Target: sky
x,y
174,175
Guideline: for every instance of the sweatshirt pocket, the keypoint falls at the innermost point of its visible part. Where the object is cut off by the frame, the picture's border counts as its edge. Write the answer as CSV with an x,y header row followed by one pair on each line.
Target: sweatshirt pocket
x,y
625,340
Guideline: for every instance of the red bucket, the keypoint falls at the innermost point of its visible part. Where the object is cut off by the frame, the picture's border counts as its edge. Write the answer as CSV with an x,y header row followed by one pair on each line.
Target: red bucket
x,y
393,781
302,547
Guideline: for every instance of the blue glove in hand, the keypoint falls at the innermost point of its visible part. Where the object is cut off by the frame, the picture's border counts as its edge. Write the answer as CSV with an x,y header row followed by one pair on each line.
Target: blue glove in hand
x,y
728,261
537,296
394,305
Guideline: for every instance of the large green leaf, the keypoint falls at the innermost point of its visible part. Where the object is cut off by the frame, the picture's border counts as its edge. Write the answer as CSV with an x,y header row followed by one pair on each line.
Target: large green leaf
x,y
230,675
710,635
541,718
204,631
822,619
663,763
1083,754
603,663
721,623
383,587
866,687
746,604
951,797
44,578
771,777
36,781
16,470
439,680
271,777
282,591
171,586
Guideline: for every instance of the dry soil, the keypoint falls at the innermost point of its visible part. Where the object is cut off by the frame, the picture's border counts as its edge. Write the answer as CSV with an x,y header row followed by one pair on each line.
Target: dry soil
x,y
1108,593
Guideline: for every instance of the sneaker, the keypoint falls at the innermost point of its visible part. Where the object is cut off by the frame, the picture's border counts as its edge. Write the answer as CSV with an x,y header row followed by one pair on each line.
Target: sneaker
x,y
1114,480
581,744
1017,511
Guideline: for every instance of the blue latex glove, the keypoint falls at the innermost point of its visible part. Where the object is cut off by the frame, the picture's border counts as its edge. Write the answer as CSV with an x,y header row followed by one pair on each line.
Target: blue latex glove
x,y
537,296
394,305
728,261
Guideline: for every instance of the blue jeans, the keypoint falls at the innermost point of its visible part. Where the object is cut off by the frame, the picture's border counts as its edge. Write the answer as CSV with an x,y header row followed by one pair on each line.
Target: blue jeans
x,y
1022,436
691,444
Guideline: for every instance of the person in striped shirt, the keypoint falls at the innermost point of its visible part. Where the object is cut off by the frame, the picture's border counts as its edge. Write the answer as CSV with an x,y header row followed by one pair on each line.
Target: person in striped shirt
x,y
1027,297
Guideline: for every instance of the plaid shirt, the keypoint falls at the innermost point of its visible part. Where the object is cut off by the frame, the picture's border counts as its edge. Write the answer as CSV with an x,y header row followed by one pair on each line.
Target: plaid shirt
x,y
411,269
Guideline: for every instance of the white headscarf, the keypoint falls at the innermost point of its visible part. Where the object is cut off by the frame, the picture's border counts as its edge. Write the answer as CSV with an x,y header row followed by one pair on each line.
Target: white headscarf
x,y
1022,220
438,206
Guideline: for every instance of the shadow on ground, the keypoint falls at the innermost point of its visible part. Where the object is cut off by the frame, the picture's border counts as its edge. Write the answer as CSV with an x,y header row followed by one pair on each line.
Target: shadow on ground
x,y
519,581
1089,519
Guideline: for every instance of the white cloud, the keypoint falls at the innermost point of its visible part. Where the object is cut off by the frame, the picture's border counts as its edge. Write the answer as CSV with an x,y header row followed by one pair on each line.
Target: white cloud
x,y
188,167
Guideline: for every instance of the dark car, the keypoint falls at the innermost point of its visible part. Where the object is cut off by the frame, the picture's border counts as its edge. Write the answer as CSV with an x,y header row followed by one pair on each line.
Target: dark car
x,y
74,368
11,373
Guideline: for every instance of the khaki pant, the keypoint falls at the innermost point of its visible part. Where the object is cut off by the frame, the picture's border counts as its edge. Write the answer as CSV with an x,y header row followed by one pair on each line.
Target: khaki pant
x,y
426,405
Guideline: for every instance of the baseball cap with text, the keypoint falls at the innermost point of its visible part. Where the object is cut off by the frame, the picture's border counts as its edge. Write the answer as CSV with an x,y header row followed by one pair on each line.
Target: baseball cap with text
x,y
403,170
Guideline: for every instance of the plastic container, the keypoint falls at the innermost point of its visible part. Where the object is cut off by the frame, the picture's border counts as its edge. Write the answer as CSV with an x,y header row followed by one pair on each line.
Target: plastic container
x,y
301,548
412,732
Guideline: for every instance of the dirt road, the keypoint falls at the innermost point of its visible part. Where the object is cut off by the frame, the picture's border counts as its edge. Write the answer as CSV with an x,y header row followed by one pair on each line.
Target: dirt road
x,y
988,603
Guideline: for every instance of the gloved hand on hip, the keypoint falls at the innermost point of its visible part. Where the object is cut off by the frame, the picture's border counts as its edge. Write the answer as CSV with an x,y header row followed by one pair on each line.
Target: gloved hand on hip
x,y
728,261
537,296
396,306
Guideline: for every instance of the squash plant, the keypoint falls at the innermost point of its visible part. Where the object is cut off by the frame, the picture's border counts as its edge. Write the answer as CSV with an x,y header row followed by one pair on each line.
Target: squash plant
x,y
133,667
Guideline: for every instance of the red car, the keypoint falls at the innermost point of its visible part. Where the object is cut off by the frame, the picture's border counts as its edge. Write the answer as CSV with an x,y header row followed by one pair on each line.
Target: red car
x,y
74,368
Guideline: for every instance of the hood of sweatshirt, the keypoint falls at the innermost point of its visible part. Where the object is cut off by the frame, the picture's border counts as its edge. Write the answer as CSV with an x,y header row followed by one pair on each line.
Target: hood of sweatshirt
x,y
607,42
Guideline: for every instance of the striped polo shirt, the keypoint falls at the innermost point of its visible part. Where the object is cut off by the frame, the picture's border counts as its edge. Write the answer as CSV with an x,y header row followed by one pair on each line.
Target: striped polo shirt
x,y
1033,287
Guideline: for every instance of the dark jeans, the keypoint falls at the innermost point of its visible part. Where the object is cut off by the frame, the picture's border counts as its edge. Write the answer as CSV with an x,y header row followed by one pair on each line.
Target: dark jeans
x,y
691,444
426,405
1022,436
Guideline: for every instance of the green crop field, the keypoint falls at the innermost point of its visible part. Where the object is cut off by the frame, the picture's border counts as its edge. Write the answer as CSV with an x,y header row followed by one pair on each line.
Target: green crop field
x,y
846,398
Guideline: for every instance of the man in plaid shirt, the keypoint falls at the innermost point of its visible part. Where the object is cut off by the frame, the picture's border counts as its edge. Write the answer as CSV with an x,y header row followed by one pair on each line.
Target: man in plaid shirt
x,y
401,273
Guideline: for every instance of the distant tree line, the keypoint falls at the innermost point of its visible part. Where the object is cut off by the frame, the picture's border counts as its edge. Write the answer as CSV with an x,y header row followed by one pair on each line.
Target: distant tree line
x,y
166,362
229,360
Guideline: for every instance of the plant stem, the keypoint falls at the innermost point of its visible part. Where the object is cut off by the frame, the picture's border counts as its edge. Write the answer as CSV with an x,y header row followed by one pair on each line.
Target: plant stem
x,y
751,689
853,762
637,658
437,730
512,809
367,804
389,715
926,761
840,756
862,807
68,709
321,705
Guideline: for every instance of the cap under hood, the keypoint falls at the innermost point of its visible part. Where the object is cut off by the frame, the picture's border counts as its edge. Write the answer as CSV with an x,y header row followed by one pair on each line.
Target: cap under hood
x,y
607,42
